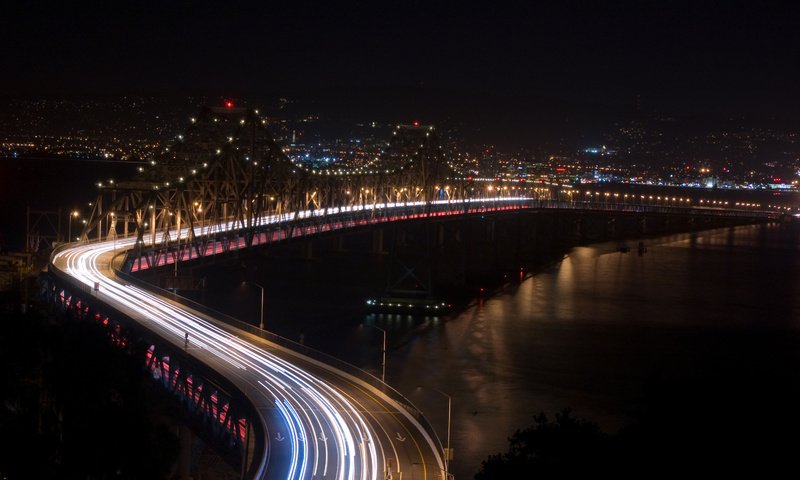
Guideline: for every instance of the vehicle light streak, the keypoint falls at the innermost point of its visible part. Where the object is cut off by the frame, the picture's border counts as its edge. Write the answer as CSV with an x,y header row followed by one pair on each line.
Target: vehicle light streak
x,y
294,439
327,430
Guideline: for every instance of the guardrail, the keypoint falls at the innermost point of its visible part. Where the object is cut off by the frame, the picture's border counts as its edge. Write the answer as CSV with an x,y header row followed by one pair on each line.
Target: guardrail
x,y
232,324
216,378
312,224
376,213
664,209
226,236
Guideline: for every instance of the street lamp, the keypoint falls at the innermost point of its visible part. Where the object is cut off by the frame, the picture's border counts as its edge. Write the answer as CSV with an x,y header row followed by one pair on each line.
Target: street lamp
x,y
199,209
72,214
447,451
261,323
383,362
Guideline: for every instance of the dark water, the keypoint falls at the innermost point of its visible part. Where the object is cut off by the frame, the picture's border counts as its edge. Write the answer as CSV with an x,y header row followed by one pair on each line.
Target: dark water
x,y
589,331
584,333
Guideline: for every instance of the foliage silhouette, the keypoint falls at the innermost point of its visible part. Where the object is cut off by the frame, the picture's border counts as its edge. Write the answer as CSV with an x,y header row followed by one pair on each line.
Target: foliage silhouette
x,y
74,406
732,422
566,446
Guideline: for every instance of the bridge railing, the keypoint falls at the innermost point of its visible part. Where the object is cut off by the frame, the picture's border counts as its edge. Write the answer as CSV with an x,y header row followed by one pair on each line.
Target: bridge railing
x,y
376,215
214,378
232,324
622,206
376,212
225,237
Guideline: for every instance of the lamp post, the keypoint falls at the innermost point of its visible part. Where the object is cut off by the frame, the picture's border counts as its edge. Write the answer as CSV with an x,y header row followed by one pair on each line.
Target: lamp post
x,y
72,215
112,222
199,209
261,322
383,352
447,451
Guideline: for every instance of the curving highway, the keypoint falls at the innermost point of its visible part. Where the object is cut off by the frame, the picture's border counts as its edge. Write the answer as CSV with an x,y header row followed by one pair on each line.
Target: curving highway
x,y
321,423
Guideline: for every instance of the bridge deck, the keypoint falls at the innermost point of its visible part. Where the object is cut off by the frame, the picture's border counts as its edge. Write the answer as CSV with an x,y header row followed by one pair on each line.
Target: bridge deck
x,y
321,421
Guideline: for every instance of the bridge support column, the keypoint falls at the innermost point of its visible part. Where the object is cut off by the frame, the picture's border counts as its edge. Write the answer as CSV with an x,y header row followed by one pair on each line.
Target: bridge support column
x,y
401,236
185,453
152,226
338,243
99,207
248,450
377,241
307,250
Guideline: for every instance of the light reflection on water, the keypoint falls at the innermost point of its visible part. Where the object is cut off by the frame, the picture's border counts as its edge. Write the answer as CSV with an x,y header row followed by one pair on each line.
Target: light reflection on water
x,y
583,333
586,332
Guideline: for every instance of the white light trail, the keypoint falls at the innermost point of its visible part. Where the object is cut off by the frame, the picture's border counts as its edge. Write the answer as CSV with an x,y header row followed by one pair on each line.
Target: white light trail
x,y
331,432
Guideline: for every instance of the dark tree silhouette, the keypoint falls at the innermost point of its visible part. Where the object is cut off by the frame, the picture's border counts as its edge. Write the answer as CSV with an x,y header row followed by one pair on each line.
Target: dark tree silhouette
x,y
562,448
73,406
729,422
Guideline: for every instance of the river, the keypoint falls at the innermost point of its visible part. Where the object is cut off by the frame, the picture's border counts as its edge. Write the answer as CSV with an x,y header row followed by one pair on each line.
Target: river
x,y
586,333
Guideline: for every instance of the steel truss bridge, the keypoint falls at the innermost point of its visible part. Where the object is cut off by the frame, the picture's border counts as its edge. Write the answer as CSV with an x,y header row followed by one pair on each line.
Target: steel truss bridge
x,y
278,409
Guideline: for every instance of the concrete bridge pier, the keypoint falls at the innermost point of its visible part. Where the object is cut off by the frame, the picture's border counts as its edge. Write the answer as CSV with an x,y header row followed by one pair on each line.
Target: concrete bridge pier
x,y
525,237
249,451
611,231
401,237
338,243
185,452
307,250
377,242
450,252
448,232
580,230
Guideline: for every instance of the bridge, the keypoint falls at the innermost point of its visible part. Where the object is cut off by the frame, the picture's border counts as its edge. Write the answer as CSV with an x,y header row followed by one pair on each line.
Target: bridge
x,y
274,408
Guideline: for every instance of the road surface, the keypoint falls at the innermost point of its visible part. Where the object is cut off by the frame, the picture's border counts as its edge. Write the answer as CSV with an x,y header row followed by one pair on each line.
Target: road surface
x,y
321,423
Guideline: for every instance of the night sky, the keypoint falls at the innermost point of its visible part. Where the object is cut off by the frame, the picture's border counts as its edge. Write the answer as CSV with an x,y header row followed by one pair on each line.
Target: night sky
x,y
691,55
554,77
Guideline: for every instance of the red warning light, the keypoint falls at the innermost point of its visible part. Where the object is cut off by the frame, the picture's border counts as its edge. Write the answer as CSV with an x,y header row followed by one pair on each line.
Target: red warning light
x,y
229,104
415,123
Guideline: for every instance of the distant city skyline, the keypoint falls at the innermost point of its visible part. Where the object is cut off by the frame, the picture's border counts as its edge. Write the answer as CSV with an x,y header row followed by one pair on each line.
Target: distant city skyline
x,y
630,145
375,239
